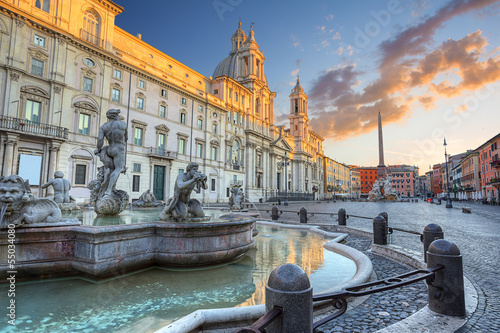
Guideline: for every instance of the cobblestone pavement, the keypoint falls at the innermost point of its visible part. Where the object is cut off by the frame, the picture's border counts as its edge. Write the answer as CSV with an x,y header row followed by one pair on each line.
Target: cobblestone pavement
x,y
477,235
384,308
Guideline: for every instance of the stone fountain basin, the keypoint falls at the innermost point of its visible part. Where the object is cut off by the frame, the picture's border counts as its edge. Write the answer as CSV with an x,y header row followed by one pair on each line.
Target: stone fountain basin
x,y
103,251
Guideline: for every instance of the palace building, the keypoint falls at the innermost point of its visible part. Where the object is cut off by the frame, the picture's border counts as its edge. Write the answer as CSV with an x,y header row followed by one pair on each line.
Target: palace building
x,y
65,64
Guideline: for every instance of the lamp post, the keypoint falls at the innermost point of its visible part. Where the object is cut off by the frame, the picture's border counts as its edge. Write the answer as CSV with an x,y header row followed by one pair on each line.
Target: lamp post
x,y
448,199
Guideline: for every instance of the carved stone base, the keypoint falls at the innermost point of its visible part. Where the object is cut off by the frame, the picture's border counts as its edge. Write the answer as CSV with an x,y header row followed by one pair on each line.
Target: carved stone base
x,y
111,204
187,219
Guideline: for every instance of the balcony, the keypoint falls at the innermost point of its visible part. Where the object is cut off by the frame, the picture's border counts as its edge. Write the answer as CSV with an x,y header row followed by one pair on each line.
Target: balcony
x,y
162,153
91,38
495,164
236,183
32,127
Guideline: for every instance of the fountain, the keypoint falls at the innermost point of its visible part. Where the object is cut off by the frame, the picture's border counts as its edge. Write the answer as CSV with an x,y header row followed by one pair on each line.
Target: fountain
x,y
182,236
382,190
147,200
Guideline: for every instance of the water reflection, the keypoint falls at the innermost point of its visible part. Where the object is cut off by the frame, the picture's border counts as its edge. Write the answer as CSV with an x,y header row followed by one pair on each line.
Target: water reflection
x,y
128,216
150,299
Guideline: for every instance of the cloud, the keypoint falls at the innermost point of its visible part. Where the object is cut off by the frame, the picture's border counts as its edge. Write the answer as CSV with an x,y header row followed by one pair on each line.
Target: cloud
x,y
329,17
296,42
298,62
409,72
294,72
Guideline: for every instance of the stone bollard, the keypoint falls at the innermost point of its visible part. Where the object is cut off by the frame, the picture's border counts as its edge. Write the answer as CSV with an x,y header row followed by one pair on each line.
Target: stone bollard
x,y
431,232
342,216
289,288
303,215
446,291
274,213
386,218
279,202
379,231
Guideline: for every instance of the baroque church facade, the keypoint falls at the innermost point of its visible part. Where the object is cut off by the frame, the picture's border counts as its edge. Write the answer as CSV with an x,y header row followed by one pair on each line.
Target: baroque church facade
x,y
59,76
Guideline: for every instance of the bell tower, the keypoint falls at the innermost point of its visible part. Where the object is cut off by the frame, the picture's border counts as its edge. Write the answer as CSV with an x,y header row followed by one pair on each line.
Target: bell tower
x,y
298,114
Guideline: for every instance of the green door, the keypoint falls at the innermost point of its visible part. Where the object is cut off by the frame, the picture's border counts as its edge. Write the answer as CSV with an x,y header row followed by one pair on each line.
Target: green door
x,y
159,182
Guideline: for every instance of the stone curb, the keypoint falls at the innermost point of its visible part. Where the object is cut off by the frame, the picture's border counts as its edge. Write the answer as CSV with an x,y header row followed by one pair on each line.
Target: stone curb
x,y
249,314
423,320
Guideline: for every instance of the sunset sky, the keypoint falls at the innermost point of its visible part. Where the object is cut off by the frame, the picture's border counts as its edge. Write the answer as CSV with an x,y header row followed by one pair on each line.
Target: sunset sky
x,y
432,68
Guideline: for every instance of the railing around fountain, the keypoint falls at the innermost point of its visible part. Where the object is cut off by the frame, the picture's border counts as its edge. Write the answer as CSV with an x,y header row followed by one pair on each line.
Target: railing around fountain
x,y
444,277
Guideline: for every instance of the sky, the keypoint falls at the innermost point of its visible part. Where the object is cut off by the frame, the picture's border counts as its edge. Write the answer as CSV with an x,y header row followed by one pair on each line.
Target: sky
x,y
432,68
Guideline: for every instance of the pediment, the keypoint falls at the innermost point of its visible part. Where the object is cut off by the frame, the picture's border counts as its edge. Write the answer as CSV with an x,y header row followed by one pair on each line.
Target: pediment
x,y
85,105
163,128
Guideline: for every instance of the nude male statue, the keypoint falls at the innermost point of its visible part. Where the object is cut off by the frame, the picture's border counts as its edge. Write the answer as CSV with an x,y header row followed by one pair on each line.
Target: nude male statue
x,y
112,155
180,205
61,187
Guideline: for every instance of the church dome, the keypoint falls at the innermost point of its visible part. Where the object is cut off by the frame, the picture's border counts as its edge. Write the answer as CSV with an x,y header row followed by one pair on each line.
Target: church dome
x,y
227,67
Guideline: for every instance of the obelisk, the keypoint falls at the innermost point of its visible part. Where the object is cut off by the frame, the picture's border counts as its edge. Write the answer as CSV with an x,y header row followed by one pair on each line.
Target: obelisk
x,y
381,166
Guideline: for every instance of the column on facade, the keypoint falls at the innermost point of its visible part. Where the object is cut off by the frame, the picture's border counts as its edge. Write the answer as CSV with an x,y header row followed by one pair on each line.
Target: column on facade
x,y
53,150
271,170
8,161
248,167
265,171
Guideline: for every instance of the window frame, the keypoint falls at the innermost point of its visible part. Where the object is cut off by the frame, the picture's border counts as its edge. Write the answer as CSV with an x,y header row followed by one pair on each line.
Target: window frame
x,y
136,124
115,71
141,84
136,186
84,84
143,100
84,164
183,117
37,38
165,107
113,89
33,60
89,117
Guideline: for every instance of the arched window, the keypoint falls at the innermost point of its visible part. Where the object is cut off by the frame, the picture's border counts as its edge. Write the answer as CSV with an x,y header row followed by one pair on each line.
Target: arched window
x,y
91,28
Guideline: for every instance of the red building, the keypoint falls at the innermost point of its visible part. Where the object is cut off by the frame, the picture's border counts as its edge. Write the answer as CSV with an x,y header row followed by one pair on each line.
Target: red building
x,y
437,176
368,176
489,162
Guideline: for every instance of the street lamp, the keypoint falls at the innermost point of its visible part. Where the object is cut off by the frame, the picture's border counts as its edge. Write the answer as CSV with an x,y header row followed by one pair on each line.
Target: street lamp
x,y
448,199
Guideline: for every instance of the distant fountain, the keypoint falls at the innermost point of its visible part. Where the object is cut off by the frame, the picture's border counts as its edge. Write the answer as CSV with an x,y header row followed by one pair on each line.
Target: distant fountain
x,y
236,199
147,199
382,190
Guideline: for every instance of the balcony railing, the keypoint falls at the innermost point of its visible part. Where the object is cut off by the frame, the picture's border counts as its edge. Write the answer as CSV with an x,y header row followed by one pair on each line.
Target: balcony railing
x,y
91,38
32,127
162,153
495,164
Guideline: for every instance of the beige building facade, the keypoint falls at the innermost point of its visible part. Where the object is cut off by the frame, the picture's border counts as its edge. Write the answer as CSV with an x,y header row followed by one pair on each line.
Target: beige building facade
x,y
66,64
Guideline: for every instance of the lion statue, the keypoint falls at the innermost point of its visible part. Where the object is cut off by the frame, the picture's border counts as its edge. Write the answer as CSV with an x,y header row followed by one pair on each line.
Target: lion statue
x,y
19,206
